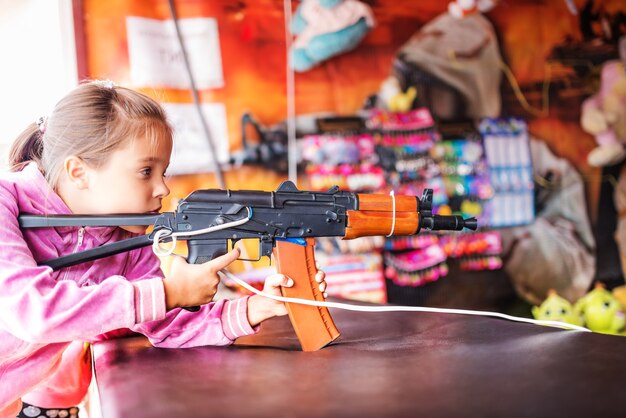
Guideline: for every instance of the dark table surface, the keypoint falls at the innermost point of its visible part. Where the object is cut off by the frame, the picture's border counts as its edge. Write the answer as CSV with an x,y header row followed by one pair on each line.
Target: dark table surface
x,y
399,364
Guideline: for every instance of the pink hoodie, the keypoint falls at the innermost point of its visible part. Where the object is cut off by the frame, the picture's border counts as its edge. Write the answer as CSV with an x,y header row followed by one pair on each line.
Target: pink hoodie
x,y
46,316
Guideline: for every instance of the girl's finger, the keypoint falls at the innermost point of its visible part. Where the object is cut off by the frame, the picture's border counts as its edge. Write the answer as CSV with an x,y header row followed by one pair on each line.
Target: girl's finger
x,y
322,287
276,280
177,259
224,260
319,276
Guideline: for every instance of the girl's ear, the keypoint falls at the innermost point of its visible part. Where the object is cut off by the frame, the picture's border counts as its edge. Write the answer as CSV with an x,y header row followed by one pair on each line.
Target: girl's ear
x,y
76,171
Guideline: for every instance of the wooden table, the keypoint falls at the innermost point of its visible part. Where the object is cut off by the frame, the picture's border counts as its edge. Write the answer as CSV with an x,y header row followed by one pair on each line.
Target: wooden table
x,y
383,365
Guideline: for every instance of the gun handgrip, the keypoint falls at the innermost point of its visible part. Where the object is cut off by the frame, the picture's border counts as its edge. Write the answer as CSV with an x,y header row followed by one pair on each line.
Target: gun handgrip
x,y
313,325
201,251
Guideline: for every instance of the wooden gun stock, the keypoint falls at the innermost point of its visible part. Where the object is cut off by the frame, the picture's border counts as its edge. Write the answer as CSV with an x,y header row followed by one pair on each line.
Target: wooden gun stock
x,y
313,325
383,215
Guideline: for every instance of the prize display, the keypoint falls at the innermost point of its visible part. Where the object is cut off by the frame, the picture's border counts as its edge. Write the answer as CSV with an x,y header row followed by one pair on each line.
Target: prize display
x,y
404,153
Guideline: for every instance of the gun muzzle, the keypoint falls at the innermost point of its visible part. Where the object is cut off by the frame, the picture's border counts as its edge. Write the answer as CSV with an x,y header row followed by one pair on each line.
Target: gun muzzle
x,y
441,222
447,223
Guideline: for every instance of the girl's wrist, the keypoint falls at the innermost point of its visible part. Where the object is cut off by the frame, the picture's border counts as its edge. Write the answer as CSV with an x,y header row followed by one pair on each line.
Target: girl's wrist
x,y
170,300
258,310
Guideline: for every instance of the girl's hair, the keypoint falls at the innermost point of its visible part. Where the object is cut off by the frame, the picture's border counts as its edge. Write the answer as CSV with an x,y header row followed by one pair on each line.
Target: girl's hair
x,y
90,122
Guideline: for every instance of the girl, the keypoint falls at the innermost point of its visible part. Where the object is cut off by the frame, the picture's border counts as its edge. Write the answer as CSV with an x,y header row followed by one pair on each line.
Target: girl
x,y
104,149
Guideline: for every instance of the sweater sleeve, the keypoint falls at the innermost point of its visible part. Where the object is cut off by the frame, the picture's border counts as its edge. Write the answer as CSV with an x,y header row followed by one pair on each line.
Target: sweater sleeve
x,y
216,323
39,309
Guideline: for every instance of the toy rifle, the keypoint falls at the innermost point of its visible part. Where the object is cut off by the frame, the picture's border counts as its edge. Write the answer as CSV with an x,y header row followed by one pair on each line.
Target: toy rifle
x,y
285,223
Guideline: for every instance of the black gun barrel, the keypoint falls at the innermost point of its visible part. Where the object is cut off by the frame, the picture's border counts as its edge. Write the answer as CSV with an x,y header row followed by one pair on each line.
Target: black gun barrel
x,y
448,223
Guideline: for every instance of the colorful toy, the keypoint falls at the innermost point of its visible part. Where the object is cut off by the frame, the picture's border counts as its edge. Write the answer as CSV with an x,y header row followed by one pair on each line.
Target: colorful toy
x,y
601,311
556,308
325,28
461,8
393,98
604,116
416,267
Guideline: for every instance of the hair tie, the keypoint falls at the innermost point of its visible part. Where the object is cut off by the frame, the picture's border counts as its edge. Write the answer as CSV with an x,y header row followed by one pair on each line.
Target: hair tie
x,y
42,122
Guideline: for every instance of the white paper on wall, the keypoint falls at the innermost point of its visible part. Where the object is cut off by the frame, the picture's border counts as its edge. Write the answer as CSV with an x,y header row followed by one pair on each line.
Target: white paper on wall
x,y
191,152
156,59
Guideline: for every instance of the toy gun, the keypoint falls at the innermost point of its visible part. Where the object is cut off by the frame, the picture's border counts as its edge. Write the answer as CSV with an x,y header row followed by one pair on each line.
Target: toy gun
x,y
285,223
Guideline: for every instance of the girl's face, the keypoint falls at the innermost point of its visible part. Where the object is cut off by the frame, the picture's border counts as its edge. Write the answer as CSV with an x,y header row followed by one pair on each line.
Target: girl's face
x,y
132,180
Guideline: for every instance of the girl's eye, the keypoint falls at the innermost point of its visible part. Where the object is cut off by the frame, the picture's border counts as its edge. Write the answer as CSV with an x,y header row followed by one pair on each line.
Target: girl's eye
x,y
146,171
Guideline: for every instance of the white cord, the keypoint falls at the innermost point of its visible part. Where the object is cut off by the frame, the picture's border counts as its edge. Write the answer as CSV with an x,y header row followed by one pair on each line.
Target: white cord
x,y
393,213
399,308
162,252
166,233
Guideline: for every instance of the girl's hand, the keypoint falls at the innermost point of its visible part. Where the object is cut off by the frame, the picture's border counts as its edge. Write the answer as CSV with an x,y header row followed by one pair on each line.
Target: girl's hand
x,y
261,308
194,284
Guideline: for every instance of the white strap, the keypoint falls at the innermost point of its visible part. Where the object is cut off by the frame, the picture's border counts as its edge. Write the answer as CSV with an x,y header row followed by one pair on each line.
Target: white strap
x,y
398,308
393,213
165,233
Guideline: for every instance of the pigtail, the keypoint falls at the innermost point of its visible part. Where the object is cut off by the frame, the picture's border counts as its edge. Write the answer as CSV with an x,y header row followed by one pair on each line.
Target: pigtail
x,y
27,147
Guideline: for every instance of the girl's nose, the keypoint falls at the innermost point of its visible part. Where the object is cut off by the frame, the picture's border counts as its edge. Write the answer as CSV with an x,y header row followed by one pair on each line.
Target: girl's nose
x,y
161,190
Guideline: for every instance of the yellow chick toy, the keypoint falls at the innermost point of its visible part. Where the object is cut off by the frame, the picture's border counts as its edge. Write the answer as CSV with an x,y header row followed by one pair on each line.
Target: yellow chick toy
x,y
403,102
556,308
394,98
601,311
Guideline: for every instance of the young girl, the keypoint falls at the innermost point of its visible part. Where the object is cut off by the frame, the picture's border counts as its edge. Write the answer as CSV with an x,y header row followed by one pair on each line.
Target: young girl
x,y
104,149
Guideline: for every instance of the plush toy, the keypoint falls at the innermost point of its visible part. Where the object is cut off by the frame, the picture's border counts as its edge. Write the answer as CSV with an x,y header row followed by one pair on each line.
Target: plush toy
x,y
604,116
556,308
393,98
325,28
601,311
454,64
462,8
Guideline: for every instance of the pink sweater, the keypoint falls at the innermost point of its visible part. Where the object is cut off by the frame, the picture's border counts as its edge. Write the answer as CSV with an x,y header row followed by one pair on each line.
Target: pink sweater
x,y
46,316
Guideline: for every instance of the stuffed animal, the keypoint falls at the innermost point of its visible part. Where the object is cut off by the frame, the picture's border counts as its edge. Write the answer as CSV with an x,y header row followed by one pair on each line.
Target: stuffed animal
x,y
601,311
556,308
325,28
604,116
454,65
462,8
393,98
